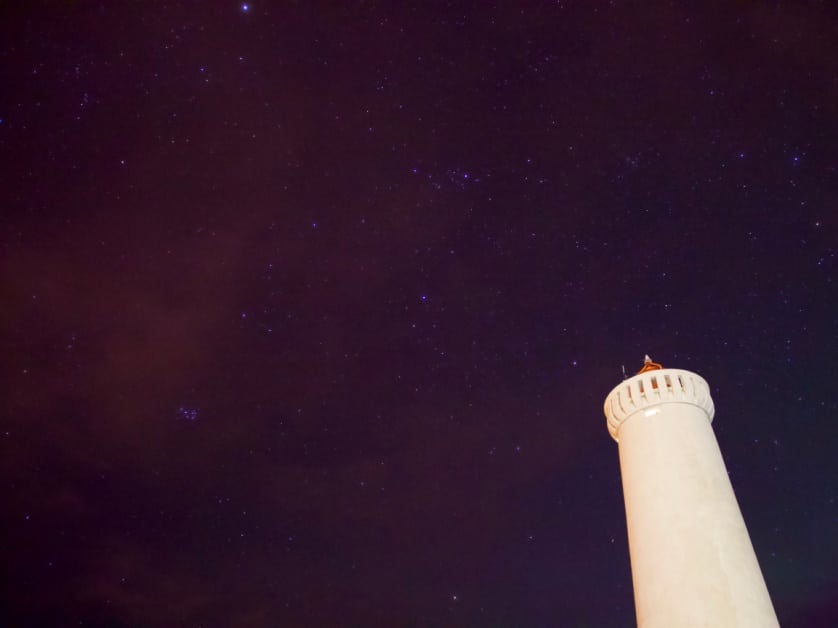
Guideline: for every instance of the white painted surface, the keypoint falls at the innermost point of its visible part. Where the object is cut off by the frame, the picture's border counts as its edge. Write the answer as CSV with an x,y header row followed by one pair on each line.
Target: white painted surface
x,y
691,556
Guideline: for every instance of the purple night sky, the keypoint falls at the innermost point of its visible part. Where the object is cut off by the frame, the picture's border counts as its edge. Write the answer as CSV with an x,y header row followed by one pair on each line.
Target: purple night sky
x,y
309,309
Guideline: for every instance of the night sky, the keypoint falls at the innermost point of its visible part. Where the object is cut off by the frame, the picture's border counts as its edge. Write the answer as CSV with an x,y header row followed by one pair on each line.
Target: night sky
x,y
308,310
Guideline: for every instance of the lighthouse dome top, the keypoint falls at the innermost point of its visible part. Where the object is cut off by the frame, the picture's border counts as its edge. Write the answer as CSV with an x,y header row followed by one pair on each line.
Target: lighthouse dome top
x,y
652,386
649,365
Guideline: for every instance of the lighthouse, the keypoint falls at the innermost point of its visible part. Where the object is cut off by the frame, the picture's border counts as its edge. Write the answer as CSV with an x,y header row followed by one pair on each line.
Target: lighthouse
x,y
692,561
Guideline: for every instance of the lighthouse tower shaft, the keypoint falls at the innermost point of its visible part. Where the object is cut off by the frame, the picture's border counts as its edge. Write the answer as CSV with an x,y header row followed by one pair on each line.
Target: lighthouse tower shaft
x,y
691,557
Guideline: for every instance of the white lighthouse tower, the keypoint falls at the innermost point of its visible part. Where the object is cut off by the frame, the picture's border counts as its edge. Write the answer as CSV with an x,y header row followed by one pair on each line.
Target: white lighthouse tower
x,y
692,562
